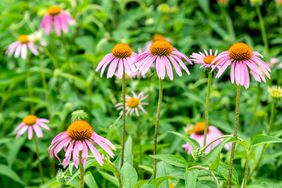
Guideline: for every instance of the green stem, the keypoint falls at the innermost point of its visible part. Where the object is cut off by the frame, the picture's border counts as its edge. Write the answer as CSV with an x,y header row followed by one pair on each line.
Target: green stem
x,y
81,170
29,84
236,125
272,116
139,140
53,60
246,171
123,118
271,120
117,174
207,108
38,158
157,127
44,83
219,138
229,23
256,104
262,28
64,42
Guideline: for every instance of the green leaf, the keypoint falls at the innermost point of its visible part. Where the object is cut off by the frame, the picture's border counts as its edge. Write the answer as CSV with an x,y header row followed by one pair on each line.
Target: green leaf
x,y
210,158
175,160
265,139
158,181
6,171
90,181
129,175
128,151
190,178
191,141
109,177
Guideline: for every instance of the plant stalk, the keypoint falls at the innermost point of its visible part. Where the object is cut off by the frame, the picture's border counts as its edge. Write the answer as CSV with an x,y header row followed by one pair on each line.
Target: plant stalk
x,y
207,108
157,127
262,28
236,125
81,170
123,118
38,158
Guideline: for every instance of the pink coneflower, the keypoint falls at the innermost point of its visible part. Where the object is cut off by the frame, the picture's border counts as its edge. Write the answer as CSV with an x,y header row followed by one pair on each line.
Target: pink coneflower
x,y
21,47
156,37
120,61
133,104
204,59
198,135
57,17
32,123
241,58
79,137
163,55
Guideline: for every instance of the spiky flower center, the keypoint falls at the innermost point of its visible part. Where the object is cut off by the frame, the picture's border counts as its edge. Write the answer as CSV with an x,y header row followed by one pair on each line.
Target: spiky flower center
x,y
54,10
132,102
161,48
30,120
199,128
209,59
80,130
157,37
240,52
23,39
121,51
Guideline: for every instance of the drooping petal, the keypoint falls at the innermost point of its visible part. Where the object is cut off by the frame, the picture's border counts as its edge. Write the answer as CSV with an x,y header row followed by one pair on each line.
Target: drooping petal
x,y
37,130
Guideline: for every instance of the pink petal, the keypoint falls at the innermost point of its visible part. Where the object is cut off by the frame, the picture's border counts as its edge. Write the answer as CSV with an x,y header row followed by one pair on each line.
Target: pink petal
x,y
38,130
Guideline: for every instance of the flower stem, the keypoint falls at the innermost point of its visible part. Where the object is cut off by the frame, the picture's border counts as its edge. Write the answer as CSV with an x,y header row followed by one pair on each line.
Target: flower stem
x,y
44,83
272,115
117,174
157,127
123,118
207,108
271,120
245,179
262,28
81,169
139,133
236,124
38,158
29,84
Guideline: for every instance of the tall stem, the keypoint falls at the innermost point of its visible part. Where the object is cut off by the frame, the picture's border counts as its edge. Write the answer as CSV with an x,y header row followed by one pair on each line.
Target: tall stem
x,y
117,174
236,125
207,108
29,83
157,127
272,115
81,169
246,171
262,28
123,118
270,124
139,140
256,104
44,83
38,158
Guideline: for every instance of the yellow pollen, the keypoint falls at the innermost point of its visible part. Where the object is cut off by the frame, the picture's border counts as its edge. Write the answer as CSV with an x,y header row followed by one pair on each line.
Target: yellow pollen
x,y
240,52
157,37
23,39
161,48
132,102
30,120
199,128
80,130
121,51
209,59
54,10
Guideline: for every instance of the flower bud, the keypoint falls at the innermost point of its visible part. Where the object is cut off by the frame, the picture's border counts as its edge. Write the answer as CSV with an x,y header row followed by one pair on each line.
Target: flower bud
x,y
79,115
197,154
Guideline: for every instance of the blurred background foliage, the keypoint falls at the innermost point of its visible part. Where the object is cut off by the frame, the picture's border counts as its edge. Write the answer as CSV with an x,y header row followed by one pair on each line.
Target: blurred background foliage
x,y
64,78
